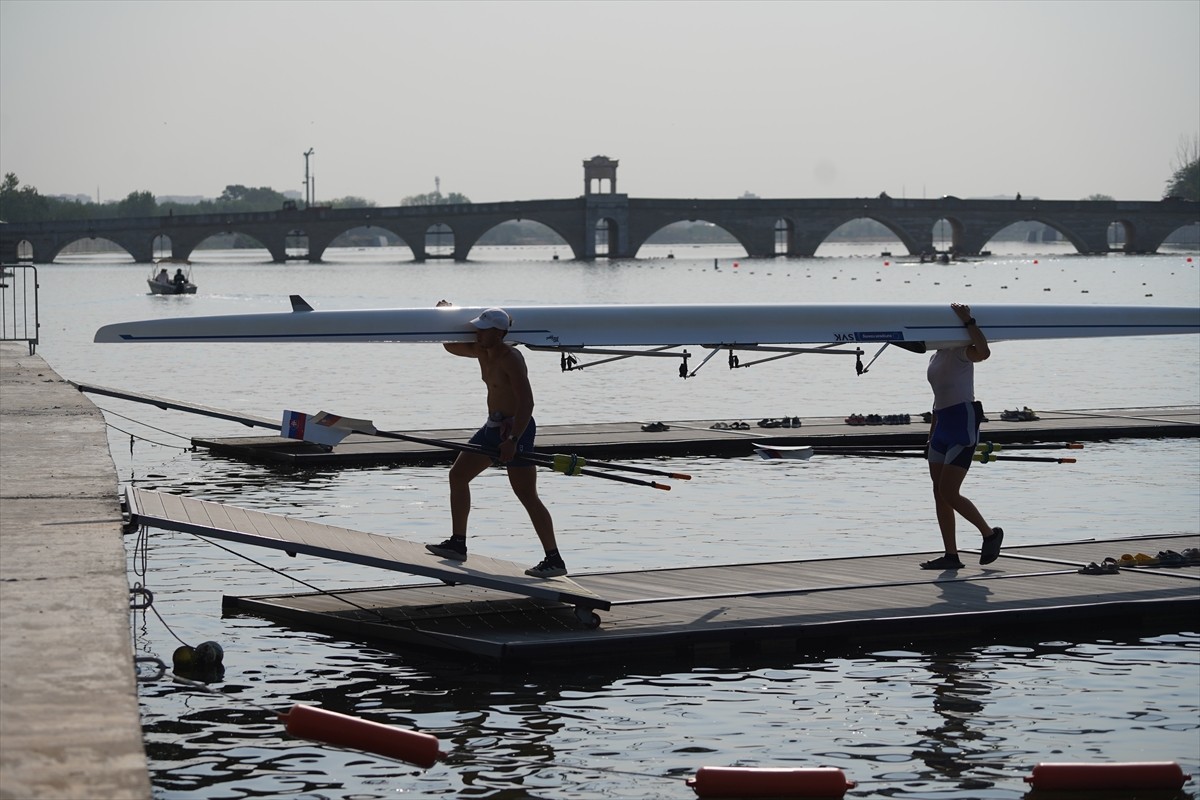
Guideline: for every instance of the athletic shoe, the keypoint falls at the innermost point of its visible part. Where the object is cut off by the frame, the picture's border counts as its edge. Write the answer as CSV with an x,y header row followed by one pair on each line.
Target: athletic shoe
x,y
453,549
991,547
945,562
549,568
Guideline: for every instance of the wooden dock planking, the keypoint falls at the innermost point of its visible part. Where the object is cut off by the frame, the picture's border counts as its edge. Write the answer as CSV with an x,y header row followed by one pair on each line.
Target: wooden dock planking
x,y
293,535
696,437
791,604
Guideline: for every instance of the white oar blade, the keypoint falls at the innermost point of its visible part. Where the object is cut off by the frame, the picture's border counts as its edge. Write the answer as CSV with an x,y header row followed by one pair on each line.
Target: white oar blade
x,y
347,424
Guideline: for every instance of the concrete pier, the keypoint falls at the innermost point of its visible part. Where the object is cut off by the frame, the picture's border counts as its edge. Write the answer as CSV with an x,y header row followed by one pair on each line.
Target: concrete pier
x,y
69,720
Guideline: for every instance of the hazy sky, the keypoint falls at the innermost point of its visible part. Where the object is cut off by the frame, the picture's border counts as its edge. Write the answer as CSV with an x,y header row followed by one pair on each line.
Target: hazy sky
x,y
504,100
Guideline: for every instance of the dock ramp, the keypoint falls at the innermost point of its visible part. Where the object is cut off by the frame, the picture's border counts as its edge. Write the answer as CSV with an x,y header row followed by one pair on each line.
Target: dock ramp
x,y
277,532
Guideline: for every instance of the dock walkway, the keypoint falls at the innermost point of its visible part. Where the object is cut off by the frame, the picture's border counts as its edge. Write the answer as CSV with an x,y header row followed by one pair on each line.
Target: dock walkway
x,y
775,608
70,726
700,438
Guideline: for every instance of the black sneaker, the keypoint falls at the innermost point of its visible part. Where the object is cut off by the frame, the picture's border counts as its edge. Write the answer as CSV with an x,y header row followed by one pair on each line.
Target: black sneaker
x,y
945,562
453,549
991,546
549,568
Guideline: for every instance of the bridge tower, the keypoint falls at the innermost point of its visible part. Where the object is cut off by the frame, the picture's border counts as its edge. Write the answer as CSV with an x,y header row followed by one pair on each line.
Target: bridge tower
x,y
600,169
607,210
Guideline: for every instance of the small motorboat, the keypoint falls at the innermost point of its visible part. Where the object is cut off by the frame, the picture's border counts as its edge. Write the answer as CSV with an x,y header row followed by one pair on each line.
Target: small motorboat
x,y
161,281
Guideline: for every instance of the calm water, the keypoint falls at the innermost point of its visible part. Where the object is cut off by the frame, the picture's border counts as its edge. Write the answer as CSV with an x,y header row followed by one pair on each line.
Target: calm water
x,y
966,722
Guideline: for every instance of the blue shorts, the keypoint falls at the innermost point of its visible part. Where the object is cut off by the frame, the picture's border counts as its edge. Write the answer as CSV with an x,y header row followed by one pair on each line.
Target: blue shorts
x,y
955,434
489,437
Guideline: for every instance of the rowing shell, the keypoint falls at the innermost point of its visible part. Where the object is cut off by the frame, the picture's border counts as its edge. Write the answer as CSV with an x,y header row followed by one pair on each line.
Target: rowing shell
x,y
573,326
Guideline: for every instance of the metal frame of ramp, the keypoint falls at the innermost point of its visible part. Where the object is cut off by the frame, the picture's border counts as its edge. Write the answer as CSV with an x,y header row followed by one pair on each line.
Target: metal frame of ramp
x,y
292,535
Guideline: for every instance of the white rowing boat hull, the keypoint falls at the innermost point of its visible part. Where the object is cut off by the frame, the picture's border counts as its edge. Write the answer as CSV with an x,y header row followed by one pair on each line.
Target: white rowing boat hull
x,y
935,325
771,452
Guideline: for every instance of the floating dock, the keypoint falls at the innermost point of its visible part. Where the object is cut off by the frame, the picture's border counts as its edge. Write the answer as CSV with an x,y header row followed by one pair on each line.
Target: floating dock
x,y
701,438
489,608
786,607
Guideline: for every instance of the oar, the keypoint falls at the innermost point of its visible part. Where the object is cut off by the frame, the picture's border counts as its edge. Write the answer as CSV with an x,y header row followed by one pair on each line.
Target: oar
x,y
990,446
350,425
981,447
562,463
982,458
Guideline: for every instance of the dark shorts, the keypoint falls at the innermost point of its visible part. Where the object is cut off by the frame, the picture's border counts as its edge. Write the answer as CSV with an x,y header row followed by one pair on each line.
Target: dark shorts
x,y
489,438
955,434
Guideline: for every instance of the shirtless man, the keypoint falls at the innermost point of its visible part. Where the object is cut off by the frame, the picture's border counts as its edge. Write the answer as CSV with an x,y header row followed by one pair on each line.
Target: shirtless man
x,y
509,431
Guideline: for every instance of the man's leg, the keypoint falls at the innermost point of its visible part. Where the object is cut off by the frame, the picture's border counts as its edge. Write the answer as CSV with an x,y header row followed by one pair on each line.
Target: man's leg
x,y
466,467
524,485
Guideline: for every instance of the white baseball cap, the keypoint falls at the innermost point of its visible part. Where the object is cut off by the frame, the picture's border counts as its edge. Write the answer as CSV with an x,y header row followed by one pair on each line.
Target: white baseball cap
x,y
493,318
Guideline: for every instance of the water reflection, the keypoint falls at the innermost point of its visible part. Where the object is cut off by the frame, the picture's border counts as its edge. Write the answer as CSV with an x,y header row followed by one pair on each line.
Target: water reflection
x,y
956,747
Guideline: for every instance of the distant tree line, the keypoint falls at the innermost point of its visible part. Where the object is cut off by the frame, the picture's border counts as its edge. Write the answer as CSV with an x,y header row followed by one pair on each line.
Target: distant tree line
x,y
25,204
1184,183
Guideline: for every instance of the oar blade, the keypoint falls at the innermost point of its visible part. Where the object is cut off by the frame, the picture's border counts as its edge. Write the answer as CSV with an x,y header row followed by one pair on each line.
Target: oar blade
x,y
305,427
349,424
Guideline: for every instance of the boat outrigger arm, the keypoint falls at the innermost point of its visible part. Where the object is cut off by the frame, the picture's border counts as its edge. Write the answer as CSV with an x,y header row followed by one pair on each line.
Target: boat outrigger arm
x,y
570,363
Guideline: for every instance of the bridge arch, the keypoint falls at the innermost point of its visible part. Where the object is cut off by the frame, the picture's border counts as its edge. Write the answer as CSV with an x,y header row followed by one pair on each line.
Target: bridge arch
x,y
468,236
900,231
983,235
184,246
439,241
58,250
1185,235
23,249
636,246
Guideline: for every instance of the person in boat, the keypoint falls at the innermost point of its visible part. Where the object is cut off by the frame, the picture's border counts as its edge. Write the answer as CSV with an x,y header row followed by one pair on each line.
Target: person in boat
x,y
509,431
953,434
180,280
162,277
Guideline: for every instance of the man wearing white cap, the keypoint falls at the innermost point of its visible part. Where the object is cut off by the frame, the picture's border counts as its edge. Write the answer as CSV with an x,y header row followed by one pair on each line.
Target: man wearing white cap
x,y
509,431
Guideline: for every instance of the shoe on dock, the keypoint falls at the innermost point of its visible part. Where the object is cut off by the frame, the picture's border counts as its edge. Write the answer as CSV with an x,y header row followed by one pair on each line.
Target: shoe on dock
x,y
549,568
991,546
453,549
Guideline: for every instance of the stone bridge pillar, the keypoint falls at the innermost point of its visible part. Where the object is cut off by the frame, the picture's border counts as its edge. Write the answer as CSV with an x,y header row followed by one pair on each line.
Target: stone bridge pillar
x,y
615,209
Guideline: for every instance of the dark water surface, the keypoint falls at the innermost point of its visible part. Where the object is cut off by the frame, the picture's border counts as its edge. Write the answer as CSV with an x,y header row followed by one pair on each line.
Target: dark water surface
x,y
967,721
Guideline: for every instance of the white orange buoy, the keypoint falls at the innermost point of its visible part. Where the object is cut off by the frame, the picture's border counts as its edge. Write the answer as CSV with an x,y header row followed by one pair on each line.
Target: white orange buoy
x,y
330,727
1092,777
769,782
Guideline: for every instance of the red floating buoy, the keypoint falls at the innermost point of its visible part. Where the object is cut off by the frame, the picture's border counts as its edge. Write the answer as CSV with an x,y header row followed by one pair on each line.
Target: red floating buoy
x,y
330,727
769,782
1093,777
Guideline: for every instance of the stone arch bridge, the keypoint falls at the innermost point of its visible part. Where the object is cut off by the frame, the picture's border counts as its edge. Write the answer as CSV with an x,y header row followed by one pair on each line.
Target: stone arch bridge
x,y
765,228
